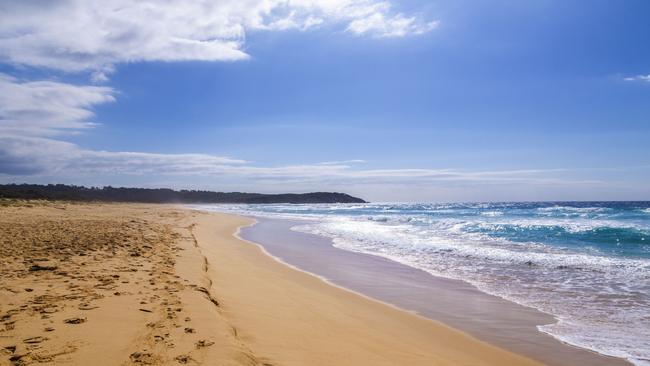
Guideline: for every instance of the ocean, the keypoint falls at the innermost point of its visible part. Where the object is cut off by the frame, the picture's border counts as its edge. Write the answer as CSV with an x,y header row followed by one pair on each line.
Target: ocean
x,y
585,263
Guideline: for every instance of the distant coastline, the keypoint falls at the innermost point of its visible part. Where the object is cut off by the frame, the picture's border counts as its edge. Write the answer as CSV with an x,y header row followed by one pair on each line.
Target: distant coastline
x,y
162,195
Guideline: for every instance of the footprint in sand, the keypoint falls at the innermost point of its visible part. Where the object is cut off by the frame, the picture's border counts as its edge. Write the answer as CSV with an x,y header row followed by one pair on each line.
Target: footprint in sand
x,y
87,307
183,359
203,343
142,357
75,320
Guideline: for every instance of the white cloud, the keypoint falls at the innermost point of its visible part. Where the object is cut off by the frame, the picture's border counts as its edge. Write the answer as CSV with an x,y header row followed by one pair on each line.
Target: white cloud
x,y
81,35
27,155
94,36
34,156
34,116
645,78
343,162
396,26
101,75
39,108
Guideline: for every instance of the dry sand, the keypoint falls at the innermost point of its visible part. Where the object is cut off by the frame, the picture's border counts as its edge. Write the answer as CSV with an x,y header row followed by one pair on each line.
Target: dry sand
x,y
124,284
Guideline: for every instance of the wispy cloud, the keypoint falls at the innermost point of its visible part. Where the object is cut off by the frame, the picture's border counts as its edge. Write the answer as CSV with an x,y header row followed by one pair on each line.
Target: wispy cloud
x,y
645,78
19,156
39,108
26,155
80,35
397,26
343,162
36,116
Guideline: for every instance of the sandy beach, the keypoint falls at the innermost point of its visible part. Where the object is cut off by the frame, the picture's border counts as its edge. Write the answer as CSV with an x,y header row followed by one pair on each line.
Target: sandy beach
x,y
324,183
120,284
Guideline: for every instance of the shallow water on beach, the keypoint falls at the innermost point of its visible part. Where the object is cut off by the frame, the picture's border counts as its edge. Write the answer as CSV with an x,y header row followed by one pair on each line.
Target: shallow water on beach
x,y
586,263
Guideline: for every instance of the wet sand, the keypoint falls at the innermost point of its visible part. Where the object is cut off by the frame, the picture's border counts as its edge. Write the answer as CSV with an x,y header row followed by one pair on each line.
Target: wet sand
x,y
126,284
452,302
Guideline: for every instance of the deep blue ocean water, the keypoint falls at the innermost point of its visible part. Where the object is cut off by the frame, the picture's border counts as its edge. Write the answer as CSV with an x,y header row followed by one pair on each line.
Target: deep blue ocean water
x,y
586,263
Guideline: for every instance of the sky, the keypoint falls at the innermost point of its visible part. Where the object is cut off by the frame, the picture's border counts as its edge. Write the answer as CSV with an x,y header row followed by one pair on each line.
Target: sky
x,y
396,100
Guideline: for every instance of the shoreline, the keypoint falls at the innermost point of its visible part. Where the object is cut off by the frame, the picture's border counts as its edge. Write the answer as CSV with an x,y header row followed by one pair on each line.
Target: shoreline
x,y
414,340
520,335
134,284
263,249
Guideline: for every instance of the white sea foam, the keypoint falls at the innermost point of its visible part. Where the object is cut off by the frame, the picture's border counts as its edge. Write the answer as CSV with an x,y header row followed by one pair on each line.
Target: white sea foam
x,y
573,209
492,213
549,279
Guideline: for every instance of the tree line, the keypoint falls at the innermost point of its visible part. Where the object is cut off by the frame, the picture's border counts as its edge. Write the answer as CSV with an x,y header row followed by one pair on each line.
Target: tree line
x,y
162,195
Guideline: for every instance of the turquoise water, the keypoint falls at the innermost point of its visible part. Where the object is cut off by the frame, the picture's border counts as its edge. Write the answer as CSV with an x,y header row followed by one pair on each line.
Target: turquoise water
x,y
586,263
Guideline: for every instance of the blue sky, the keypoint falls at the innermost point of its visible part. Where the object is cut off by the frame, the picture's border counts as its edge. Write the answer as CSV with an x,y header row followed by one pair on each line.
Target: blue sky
x,y
392,101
